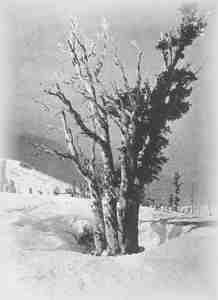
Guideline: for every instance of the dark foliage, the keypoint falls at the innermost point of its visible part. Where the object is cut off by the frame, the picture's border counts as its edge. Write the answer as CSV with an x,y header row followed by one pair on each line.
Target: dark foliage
x,y
168,100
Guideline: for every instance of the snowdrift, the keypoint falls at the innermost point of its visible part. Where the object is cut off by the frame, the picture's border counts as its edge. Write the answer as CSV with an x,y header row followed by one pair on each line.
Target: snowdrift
x,y
39,262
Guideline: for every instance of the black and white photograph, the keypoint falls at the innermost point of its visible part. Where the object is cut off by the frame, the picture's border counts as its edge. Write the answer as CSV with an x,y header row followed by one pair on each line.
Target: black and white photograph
x,y
109,152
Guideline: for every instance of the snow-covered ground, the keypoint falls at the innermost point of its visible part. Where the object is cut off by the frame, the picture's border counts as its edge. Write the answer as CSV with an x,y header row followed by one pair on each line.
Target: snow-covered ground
x,y
39,258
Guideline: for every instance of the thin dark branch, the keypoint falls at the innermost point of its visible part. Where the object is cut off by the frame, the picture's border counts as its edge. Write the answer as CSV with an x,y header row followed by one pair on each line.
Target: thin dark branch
x,y
76,115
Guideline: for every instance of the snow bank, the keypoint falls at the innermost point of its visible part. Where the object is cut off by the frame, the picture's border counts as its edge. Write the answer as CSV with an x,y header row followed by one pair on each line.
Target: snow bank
x,y
49,222
178,269
46,223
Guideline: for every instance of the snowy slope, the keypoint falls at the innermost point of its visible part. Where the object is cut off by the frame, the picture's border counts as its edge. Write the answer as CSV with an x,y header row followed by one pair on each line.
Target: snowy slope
x,y
178,269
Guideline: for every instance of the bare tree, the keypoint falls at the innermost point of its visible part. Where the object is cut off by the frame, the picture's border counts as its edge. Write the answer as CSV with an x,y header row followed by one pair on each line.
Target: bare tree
x,y
87,66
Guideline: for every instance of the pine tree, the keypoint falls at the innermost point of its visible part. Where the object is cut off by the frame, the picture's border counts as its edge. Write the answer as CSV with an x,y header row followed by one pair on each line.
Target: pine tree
x,y
176,197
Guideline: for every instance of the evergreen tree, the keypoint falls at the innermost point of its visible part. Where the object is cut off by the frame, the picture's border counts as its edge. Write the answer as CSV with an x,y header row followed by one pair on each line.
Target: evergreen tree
x,y
143,113
176,197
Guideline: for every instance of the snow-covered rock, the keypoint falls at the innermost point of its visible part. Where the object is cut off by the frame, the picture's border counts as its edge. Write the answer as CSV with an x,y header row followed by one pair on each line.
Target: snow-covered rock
x,y
81,226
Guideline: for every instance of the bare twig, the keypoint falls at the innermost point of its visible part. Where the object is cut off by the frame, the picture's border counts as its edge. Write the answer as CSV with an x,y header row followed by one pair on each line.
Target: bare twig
x,y
76,115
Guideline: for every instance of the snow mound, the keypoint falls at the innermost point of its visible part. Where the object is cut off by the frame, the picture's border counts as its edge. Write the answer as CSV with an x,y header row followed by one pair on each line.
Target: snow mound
x,y
180,268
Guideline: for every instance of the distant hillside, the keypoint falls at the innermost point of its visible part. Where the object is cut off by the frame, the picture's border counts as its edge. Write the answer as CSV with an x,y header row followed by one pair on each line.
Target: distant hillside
x,y
24,151
20,177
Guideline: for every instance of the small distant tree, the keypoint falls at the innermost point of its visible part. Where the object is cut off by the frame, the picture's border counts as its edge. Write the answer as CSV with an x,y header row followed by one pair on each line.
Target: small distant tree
x,y
170,201
56,191
175,198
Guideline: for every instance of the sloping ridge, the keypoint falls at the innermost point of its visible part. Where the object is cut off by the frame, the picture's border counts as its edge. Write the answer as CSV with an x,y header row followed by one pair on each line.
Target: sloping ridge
x,y
24,151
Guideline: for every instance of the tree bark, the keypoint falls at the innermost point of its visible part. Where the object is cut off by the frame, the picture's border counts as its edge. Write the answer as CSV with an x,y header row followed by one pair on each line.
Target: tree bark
x,y
98,226
127,213
128,208
109,206
111,225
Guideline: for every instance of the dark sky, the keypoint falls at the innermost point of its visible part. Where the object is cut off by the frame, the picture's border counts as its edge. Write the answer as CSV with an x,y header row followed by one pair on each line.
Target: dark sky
x,y
36,29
